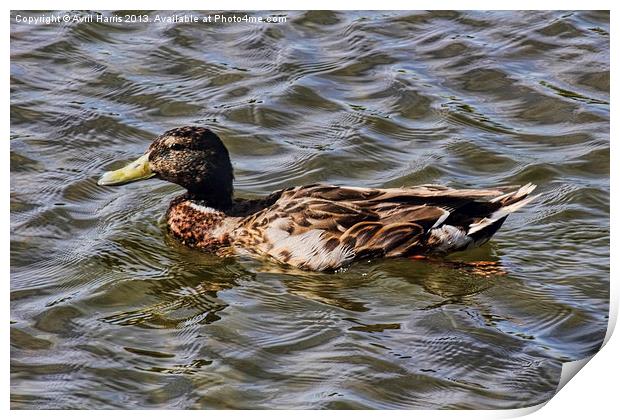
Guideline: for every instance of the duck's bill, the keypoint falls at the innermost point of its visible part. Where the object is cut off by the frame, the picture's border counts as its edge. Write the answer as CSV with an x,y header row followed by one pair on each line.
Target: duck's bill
x,y
135,171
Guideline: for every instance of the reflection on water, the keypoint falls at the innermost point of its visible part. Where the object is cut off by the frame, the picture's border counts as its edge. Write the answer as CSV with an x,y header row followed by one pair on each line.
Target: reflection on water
x,y
108,311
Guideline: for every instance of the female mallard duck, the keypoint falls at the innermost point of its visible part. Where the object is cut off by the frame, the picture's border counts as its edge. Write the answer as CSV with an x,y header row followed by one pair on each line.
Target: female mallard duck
x,y
315,227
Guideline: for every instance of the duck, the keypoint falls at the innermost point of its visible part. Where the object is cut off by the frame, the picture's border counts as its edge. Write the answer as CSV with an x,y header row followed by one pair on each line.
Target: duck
x,y
316,227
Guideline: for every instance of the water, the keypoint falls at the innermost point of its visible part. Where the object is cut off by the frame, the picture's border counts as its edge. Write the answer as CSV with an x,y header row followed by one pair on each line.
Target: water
x,y
108,311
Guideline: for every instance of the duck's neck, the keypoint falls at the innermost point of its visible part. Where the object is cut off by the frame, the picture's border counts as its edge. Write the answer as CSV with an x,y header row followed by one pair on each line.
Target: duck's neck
x,y
221,200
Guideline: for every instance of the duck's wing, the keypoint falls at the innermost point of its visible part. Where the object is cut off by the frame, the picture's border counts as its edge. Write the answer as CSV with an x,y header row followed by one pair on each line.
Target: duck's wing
x,y
303,229
324,226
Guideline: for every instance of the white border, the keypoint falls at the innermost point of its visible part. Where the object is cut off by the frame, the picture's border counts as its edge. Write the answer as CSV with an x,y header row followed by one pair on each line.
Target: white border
x,y
593,393
313,5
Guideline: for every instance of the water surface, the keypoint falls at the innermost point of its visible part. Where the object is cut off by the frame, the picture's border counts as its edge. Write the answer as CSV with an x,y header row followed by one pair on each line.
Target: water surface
x,y
108,311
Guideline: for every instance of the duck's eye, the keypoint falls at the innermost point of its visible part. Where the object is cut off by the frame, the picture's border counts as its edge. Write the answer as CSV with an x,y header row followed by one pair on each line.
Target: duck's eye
x,y
176,146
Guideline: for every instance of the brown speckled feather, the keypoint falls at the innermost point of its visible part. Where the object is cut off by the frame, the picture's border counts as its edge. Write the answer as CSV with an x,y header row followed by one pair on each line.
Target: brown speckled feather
x,y
322,227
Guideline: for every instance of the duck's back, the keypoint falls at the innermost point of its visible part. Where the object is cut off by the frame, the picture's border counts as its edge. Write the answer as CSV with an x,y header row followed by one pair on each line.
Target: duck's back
x,y
322,227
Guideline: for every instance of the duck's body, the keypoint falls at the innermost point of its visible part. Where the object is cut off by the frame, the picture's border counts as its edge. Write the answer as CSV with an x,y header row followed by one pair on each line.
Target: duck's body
x,y
324,227
319,227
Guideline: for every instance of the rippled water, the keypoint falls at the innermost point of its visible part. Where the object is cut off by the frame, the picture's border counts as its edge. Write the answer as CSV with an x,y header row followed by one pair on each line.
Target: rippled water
x,y
108,311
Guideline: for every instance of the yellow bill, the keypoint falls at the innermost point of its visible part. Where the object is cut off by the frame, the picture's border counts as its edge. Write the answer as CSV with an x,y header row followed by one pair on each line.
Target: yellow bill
x,y
135,171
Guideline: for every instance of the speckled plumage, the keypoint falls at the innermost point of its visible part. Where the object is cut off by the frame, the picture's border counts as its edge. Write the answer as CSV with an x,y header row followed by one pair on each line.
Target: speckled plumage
x,y
318,227
323,227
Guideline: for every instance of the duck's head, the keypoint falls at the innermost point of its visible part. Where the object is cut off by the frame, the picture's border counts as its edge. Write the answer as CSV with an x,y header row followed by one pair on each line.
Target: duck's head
x,y
192,157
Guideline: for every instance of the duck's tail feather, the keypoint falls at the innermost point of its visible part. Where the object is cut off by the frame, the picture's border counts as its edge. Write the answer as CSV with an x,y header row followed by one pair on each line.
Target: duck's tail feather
x,y
510,203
